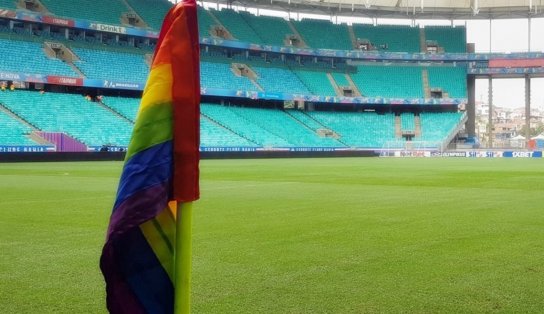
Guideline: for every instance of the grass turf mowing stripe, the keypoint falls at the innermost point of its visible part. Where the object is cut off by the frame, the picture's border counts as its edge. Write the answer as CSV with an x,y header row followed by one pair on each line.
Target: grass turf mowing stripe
x,y
346,235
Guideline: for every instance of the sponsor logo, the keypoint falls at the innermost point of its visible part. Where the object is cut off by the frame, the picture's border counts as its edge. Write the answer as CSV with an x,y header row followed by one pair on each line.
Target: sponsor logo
x,y
110,84
57,21
7,13
522,154
109,28
10,76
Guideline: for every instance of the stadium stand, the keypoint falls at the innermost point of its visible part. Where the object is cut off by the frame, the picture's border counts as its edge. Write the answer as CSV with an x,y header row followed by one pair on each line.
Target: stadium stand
x,y
213,134
279,123
220,75
449,79
106,11
340,79
227,118
452,39
127,107
389,81
324,34
359,129
237,26
13,132
272,30
205,22
8,4
316,82
437,126
151,11
407,121
278,78
29,57
110,65
72,114
394,37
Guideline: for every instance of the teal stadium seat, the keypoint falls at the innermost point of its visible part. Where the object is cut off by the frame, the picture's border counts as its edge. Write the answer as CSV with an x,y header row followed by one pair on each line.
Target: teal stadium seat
x,y
407,122
389,81
72,114
237,26
436,127
282,125
8,4
213,134
12,131
219,75
452,39
29,57
205,22
105,11
111,65
151,11
272,30
324,34
340,79
317,82
278,78
398,38
228,118
359,129
452,80
127,107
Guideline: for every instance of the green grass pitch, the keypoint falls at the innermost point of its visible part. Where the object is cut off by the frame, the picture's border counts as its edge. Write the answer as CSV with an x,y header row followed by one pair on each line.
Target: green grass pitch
x,y
345,235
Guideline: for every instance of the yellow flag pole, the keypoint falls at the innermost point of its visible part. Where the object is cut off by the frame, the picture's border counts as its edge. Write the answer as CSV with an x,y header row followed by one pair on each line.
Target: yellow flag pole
x,y
182,262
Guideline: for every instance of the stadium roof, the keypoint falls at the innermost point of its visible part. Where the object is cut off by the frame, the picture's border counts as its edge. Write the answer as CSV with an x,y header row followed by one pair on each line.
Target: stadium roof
x,y
419,9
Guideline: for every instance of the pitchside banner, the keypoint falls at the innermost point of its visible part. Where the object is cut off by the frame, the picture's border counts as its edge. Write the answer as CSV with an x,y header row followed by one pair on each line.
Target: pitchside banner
x,y
487,154
25,149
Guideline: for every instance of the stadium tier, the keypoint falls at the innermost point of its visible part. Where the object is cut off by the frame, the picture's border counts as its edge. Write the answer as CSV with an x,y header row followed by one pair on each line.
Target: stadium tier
x,y
272,30
237,26
359,129
110,123
29,57
205,22
127,107
438,126
86,121
8,4
389,37
111,65
107,11
151,11
389,81
324,34
451,39
13,131
450,80
317,82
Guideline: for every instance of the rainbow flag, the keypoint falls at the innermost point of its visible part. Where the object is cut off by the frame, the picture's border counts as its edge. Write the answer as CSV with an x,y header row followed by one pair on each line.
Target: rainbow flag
x,y
160,170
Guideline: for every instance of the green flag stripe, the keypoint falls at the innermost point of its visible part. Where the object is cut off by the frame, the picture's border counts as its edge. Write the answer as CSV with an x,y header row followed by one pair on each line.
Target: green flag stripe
x,y
153,126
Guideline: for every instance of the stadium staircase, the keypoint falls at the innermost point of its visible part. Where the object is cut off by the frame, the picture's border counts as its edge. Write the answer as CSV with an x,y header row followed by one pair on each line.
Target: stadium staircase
x,y
425,79
126,107
398,131
13,131
417,122
352,37
132,17
302,42
15,116
34,6
353,86
337,89
112,110
422,41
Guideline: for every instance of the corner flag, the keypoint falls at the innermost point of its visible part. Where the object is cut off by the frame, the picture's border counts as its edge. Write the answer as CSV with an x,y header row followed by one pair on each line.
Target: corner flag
x,y
160,173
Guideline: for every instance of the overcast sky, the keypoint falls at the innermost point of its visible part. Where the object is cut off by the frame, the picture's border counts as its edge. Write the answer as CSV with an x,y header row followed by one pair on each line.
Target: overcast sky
x,y
506,36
